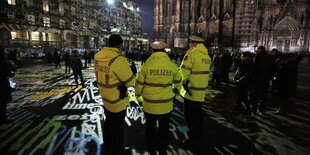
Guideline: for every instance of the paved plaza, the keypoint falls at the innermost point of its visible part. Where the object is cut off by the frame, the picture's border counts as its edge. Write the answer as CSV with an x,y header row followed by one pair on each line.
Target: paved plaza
x,y
48,115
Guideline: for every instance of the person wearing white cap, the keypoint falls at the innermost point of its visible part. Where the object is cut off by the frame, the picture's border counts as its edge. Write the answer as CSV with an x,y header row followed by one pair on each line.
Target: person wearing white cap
x,y
157,83
195,76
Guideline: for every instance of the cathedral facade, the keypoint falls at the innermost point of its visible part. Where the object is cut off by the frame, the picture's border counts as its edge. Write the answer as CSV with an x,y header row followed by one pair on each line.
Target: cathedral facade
x,y
285,25
175,20
240,25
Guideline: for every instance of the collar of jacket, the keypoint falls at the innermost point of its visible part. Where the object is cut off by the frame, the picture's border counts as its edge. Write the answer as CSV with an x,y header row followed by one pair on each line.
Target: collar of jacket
x,y
158,54
112,49
200,48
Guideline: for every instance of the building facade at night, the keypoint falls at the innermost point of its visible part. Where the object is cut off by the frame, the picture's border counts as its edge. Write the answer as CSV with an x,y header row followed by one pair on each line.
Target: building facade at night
x,y
68,23
175,20
241,24
284,25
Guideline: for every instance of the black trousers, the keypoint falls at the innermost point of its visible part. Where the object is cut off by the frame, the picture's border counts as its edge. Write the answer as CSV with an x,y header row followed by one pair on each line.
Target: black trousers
x,y
243,91
85,62
67,67
216,80
284,95
77,73
157,139
89,62
193,117
2,111
57,63
258,95
113,131
225,76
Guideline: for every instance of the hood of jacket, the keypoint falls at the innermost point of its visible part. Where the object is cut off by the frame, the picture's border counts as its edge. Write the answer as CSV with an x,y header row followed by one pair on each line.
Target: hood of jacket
x,y
107,53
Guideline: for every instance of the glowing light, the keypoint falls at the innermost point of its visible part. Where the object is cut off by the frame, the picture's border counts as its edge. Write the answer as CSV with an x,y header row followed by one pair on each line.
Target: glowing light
x,y
131,8
125,5
110,2
138,9
13,35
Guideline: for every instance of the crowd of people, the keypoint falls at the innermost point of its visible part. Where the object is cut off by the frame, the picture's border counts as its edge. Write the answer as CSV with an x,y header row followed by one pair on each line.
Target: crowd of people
x,y
260,74
139,55
221,64
256,75
160,80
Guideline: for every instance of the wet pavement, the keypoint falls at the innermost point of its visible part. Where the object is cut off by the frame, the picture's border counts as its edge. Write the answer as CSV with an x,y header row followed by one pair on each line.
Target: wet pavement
x,y
48,115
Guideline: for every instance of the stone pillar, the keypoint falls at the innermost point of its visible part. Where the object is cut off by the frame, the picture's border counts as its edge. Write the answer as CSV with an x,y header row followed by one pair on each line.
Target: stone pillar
x,y
156,19
62,40
270,40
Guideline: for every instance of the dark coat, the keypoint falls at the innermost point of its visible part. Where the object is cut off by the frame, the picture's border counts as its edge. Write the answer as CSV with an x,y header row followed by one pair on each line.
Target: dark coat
x,y
244,73
263,68
76,63
67,58
287,76
5,89
56,57
133,68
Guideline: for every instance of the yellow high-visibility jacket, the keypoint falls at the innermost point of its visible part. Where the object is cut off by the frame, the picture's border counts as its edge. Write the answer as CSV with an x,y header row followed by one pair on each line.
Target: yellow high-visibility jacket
x,y
112,70
155,82
195,69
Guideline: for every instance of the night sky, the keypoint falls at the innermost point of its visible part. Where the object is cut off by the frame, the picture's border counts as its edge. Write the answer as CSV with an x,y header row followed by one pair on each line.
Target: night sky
x,y
147,8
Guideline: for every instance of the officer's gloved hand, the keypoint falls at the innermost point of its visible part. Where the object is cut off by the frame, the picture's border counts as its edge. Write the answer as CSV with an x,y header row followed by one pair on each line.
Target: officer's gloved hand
x,y
185,86
139,99
122,91
95,84
175,91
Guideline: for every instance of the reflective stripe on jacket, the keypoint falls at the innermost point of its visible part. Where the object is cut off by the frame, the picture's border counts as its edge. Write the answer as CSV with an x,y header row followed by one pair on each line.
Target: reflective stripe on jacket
x,y
155,82
195,69
112,70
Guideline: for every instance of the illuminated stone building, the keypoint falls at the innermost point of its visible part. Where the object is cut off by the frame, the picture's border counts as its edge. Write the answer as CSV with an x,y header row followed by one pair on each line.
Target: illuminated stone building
x,y
284,24
67,23
246,30
175,20
242,24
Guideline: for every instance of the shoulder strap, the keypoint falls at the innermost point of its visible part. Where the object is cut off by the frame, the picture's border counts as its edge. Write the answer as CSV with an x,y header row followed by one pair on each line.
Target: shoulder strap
x,y
109,65
112,60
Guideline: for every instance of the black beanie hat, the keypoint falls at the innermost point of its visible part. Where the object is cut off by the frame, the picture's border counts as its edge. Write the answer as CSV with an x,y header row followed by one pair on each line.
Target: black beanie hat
x,y
115,40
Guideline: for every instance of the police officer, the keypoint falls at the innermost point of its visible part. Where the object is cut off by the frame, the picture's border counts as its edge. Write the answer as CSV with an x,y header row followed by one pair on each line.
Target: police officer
x,y
113,77
195,76
157,82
